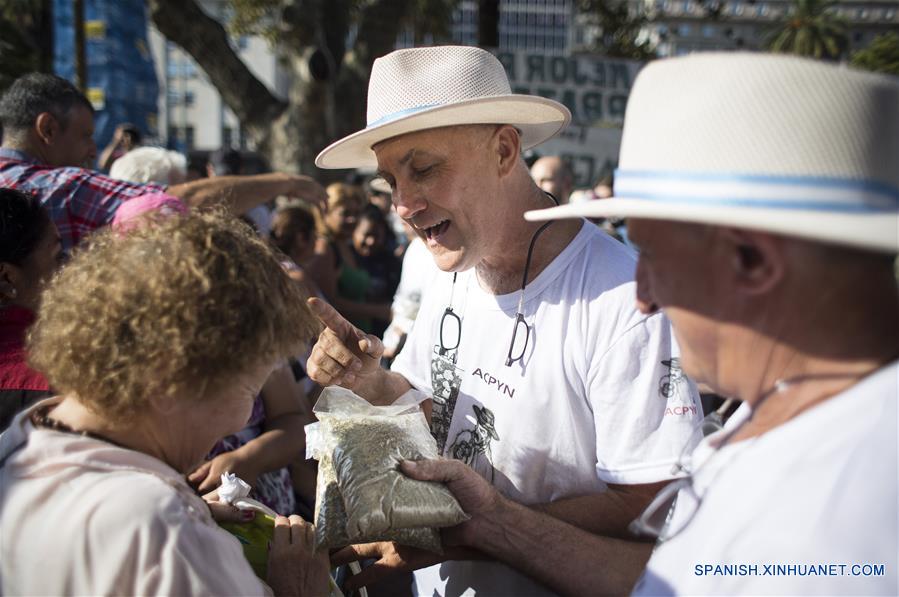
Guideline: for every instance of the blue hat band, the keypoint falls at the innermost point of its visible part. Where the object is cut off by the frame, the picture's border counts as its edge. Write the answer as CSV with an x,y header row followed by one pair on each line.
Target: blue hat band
x,y
770,192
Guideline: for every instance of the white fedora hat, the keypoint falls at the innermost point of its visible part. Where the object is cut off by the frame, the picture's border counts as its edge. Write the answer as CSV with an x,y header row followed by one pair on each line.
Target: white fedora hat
x,y
425,88
781,144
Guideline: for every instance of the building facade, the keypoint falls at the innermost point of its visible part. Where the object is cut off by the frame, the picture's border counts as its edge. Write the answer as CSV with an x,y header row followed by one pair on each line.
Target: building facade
x,y
683,26
545,26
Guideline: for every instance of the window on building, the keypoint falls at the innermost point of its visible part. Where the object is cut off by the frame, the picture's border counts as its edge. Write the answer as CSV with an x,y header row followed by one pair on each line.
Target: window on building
x,y
181,137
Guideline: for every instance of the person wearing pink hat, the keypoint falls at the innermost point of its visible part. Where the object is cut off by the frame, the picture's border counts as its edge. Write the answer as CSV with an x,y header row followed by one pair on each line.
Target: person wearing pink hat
x,y
161,204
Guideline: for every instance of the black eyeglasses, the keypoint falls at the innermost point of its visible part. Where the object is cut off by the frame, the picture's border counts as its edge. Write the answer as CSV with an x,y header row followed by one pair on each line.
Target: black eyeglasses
x,y
450,330
519,316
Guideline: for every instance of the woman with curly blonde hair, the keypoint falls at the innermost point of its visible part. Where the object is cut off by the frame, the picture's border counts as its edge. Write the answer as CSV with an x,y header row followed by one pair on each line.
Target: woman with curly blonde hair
x,y
139,335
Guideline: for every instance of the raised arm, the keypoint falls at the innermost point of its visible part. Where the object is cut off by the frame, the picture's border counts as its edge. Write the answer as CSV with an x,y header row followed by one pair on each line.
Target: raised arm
x,y
242,193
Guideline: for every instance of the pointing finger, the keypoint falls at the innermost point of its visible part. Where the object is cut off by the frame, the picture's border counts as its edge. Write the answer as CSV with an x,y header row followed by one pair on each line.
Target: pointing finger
x,y
329,316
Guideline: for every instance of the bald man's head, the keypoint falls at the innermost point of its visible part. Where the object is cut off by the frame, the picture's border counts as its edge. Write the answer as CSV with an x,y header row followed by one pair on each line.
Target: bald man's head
x,y
553,175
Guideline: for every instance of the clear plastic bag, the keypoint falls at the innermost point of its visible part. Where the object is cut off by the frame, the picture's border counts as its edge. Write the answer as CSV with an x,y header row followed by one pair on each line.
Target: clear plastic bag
x,y
362,496
331,518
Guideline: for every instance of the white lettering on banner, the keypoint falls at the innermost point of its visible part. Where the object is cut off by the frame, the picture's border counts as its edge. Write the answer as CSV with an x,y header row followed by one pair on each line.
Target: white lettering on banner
x,y
594,88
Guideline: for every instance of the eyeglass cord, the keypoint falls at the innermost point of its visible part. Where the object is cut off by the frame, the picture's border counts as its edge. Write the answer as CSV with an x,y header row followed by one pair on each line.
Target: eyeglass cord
x,y
527,263
519,316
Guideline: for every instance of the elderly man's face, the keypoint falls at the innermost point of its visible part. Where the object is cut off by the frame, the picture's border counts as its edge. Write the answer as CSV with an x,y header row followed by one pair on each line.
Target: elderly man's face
x,y
443,185
677,272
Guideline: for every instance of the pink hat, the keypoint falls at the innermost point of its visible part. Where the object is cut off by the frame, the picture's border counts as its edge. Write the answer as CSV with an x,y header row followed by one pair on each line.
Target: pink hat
x,y
128,214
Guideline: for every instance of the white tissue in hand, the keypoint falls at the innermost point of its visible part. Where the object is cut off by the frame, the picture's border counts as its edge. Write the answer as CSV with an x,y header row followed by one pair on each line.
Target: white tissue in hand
x,y
232,488
235,490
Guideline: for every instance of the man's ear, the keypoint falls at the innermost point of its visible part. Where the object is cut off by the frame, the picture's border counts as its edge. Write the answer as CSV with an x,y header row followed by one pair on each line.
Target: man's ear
x,y
47,127
757,259
507,142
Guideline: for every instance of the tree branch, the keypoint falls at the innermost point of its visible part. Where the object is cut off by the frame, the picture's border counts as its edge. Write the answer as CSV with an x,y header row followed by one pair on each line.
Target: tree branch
x,y
204,38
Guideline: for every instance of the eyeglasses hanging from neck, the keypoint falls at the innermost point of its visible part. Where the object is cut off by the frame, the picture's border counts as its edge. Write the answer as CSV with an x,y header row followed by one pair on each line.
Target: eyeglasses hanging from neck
x,y
451,323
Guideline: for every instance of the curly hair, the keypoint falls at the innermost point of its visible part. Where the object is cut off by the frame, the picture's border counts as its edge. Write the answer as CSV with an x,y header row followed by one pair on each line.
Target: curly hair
x,y
169,309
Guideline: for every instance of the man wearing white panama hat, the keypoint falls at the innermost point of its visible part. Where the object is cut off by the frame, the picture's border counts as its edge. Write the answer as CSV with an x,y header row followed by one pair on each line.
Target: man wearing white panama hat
x,y
545,377
764,194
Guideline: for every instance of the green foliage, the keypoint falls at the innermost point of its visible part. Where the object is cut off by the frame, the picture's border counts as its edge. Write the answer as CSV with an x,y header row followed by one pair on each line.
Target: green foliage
x,y
811,28
21,50
255,17
278,20
881,56
619,27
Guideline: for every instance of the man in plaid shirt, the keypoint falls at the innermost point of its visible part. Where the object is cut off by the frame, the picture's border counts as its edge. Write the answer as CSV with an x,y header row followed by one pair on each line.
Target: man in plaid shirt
x,y
48,146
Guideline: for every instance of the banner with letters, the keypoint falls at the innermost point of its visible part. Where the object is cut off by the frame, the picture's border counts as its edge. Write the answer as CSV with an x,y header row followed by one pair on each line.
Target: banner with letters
x,y
595,88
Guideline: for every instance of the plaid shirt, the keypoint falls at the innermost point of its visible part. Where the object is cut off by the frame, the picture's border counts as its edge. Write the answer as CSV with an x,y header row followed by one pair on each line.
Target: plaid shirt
x,y
78,200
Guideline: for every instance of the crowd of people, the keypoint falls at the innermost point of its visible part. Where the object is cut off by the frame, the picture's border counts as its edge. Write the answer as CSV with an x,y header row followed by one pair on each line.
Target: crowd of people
x,y
164,323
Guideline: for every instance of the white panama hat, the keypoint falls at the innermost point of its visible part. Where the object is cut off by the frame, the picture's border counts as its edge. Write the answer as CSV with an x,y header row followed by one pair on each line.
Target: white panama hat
x,y
425,88
774,143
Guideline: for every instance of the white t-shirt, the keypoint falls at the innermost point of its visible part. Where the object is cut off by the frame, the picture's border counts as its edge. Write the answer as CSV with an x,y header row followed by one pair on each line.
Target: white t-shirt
x,y
794,510
595,400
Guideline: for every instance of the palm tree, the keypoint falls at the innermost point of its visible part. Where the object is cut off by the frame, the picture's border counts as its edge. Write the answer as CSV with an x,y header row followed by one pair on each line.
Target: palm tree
x,y
812,28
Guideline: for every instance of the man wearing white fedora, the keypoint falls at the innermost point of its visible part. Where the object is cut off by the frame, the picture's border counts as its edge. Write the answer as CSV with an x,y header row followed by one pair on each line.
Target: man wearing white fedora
x,y
763,192
545,378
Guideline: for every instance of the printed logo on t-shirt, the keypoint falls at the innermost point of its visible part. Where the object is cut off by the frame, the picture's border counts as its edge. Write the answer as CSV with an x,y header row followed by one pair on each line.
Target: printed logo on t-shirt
x,y
472,446
487,378
674,387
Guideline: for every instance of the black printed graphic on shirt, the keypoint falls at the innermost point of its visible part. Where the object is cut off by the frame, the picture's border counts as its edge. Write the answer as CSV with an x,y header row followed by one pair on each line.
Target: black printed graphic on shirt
x,y
445,383
472,446
671,384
